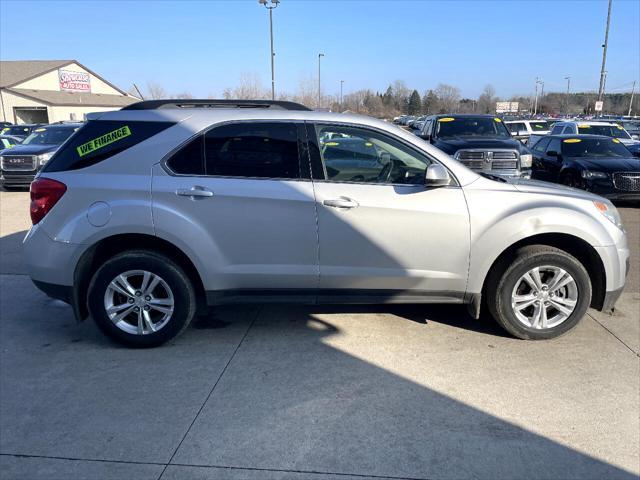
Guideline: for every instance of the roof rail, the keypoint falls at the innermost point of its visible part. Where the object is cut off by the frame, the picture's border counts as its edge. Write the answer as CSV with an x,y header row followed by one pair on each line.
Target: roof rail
x,y
211,103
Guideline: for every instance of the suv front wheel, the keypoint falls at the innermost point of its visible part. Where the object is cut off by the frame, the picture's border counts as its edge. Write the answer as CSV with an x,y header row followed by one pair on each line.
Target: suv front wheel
x,y
141,298
543,293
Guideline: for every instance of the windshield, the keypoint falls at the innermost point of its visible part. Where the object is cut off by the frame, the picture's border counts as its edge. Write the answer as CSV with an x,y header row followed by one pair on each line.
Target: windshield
x,y
594,147
470,126
539,126
49,136
614,131
16,130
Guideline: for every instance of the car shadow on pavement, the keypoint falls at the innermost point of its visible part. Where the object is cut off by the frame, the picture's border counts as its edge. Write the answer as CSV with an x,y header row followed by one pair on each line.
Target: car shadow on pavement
x,y
346,390
11,253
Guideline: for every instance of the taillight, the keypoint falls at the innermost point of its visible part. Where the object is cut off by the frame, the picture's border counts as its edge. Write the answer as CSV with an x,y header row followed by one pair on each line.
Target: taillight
x,y
45,193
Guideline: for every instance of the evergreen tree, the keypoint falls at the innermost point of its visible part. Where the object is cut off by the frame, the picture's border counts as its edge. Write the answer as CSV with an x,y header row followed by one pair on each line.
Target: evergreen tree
x,y
415,104
429,102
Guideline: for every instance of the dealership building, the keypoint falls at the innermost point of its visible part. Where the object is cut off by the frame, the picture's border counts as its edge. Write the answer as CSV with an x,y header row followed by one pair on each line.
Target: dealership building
x,y
47,91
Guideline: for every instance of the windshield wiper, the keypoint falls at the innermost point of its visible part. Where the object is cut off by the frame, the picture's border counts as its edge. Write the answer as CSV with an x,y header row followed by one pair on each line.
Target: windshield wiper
x,y
490,176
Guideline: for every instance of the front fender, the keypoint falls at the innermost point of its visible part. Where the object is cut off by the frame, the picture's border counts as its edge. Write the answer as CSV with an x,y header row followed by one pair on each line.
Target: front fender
x,y
494,231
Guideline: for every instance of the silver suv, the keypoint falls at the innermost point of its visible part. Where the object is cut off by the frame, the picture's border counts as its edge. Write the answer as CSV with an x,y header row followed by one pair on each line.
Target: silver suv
x,y
149,215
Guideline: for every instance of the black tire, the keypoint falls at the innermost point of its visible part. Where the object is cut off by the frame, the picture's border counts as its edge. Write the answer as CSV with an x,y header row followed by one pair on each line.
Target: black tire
x,y
571,180
158,264
503,278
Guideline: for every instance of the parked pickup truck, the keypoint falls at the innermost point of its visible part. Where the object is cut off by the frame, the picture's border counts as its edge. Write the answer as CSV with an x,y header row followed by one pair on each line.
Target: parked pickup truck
x,y
523,129
480,142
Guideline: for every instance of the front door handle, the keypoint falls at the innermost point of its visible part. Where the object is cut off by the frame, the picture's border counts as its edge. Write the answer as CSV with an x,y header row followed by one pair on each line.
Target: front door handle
x,y
342,202
195,191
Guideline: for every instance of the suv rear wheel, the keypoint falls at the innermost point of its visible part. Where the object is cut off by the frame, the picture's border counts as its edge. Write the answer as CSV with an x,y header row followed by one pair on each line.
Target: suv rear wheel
x,y
543,293
141,298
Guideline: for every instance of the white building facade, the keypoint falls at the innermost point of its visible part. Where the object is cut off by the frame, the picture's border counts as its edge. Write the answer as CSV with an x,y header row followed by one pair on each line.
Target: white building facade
x,y
48,91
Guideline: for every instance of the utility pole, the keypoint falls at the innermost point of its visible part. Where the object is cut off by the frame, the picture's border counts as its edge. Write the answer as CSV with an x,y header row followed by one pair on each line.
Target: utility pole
x,y
535,102
274,4
341,84
568,79
320,55
603,73
633,90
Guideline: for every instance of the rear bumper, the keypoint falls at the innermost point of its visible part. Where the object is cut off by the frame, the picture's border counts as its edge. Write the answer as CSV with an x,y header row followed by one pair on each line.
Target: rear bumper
x,y
48,261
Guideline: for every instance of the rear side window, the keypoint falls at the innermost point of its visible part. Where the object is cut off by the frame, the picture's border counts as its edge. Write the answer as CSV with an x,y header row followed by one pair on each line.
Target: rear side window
x,y
99,140
258,150
189,160
556,130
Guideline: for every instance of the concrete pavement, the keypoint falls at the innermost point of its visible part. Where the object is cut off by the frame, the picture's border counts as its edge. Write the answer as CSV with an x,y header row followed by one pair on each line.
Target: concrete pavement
x,y
313,392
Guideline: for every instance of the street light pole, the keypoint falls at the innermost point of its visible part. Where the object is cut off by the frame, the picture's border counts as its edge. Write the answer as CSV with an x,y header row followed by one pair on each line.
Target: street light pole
x,y
568,79
274,4
633,90
320,55
604,55
342,83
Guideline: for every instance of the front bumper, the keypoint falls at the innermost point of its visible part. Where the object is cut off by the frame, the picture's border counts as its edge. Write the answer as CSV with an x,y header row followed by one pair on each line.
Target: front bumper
x,y
605,188
16,178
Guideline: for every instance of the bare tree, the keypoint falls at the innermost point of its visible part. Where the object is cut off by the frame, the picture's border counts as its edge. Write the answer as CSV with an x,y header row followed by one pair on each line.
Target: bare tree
x,y
184,95
249,88
156,91
487,100
307,93
448,98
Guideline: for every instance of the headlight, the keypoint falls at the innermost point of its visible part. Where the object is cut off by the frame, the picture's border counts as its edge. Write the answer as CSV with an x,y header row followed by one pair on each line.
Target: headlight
x,y
592,174
44,158
608,210
526,160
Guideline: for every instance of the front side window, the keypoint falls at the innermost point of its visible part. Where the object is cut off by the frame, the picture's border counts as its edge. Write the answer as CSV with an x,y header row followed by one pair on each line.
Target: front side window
x,y
554,146
541,146
569,130
351,154
557,130
516,127
258,150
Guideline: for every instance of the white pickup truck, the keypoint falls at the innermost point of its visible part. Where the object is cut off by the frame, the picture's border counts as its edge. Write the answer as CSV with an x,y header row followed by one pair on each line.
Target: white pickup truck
x,y
523,129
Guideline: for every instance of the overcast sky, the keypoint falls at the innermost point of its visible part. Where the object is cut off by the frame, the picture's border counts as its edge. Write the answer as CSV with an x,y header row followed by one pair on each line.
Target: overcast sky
x,y
204,46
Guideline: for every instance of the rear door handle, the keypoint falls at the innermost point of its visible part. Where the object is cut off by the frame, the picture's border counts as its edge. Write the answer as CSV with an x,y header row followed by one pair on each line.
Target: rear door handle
x,y
195,191
342,202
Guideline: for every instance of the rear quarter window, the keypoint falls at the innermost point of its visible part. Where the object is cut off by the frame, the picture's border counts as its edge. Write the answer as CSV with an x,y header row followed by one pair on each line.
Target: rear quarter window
x,y
99,140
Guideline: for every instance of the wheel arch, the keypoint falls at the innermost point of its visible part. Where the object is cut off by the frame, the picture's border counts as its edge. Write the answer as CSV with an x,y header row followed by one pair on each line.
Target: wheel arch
x,y
107,247
575,246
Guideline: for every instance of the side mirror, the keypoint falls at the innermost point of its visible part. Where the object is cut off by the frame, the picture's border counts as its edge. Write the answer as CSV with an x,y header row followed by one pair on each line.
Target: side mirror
x,y
437,176
635,137
424,136
385,158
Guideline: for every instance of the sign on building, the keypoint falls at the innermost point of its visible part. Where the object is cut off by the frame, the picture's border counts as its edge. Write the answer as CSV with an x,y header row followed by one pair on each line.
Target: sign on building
x,y
74,81
507,107
598,107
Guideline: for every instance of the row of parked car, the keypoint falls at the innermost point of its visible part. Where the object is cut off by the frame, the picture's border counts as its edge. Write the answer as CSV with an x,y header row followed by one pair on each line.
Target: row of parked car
x,y
599,156
25,149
